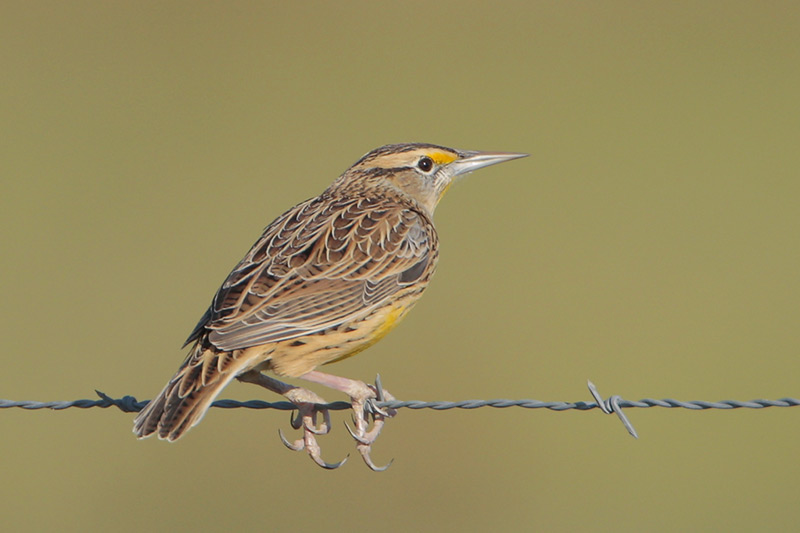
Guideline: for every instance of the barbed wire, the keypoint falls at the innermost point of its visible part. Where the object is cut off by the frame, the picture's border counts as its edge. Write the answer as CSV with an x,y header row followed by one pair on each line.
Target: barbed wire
x,y
612,405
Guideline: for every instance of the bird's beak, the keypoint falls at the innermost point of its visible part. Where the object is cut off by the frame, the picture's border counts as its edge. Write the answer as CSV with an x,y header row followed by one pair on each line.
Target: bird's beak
x,y
471,161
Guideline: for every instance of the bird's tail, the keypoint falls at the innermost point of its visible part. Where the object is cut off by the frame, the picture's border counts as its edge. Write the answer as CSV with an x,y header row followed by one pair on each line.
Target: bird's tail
x,y
189,393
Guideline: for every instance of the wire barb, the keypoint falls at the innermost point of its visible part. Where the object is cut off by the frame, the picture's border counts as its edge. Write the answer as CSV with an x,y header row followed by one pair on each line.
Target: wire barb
x,y
612,405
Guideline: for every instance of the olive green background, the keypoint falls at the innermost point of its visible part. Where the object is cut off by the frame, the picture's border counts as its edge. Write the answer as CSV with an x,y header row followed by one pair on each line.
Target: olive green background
x,y
650,244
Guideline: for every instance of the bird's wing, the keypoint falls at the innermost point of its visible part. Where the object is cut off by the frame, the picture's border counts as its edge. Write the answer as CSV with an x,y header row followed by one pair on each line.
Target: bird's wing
x,y
319,264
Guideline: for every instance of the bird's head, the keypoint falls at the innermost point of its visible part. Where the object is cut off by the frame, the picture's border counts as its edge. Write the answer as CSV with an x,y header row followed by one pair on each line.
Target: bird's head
x,y
422,171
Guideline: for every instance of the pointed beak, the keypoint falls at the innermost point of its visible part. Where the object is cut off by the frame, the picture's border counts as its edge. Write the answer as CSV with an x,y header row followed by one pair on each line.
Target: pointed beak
x,y
471,161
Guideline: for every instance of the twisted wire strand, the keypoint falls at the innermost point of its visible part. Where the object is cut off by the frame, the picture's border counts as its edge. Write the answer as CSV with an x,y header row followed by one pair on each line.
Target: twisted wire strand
x,y
130,404
612,405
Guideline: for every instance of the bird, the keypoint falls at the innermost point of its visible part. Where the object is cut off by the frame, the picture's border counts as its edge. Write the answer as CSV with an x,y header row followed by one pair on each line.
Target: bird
x,y
326,280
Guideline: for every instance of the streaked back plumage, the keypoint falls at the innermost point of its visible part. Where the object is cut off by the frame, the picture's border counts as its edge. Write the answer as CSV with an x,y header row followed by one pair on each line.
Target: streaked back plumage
x,y
337,267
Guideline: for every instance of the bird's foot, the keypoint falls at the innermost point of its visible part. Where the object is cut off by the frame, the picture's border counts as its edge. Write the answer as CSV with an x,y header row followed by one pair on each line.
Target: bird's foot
x,y
364,399
307,410
364,409
368,417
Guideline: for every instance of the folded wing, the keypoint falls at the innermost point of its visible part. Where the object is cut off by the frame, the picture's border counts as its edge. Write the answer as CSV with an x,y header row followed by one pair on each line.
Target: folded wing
x,y
320,264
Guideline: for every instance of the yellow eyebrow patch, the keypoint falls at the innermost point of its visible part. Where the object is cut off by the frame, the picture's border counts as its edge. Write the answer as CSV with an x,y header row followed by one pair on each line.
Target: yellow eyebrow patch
x,y
441,158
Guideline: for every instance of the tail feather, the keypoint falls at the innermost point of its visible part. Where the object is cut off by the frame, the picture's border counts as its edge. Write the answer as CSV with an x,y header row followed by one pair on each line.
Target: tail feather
x,y
189,394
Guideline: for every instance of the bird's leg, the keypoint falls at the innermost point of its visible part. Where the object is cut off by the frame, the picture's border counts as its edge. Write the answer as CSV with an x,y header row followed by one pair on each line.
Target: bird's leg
x,y
306,402
362,398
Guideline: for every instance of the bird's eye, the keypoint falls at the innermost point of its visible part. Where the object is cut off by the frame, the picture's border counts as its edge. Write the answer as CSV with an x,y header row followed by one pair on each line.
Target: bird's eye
x,y
425,164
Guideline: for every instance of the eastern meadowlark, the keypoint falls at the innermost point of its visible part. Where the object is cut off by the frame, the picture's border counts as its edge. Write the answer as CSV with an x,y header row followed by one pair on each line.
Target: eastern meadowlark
x,y
327,279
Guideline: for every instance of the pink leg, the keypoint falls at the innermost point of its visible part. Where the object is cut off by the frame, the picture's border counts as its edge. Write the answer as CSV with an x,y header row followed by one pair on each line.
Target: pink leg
x,y
306,402
361,395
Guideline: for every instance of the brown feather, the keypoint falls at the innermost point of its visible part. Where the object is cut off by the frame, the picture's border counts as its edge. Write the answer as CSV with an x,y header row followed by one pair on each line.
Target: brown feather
x,y
327,278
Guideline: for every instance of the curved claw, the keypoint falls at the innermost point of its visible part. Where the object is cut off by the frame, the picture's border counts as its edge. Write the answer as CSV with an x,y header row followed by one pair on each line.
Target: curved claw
x,y
323,429
309,443
360,440
364,451
329,466
296,446
314,453
370,436
296,421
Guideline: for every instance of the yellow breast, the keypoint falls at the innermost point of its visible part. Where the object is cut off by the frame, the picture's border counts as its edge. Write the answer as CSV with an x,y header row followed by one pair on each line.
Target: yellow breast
x,y
380,324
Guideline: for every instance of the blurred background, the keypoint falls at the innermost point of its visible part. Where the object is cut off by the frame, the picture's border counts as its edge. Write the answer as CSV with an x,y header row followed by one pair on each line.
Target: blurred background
x,y
650,244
